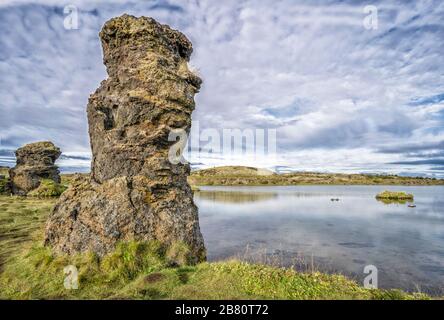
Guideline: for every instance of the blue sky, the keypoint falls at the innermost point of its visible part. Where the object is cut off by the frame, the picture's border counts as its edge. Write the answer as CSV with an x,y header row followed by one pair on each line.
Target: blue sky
x,y
341,97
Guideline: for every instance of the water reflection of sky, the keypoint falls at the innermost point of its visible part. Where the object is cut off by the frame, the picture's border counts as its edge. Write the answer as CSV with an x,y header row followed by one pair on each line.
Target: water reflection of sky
x,y
406,244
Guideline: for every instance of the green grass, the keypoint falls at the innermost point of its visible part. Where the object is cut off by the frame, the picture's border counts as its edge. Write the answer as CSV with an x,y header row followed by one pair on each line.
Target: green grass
x,y
146,270
390,195
19,218
48,188
142,271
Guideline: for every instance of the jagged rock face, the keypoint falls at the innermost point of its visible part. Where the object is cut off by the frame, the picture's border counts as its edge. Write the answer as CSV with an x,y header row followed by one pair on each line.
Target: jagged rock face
x,y
149,92
35,162
134,192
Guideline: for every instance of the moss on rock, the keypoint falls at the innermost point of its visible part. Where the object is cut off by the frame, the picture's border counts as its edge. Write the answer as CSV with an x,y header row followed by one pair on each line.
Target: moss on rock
x,y
390,195
47,188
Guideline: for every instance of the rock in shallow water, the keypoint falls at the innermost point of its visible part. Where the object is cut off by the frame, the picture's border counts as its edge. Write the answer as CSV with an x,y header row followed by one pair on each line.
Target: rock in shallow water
x,y
134,191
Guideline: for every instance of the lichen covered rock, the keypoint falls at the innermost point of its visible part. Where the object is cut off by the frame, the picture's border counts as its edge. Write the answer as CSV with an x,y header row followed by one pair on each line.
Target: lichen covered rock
x,y
35,162
134,191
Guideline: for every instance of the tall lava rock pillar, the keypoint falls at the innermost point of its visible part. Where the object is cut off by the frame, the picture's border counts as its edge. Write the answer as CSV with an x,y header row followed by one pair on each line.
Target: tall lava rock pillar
x,y
134,192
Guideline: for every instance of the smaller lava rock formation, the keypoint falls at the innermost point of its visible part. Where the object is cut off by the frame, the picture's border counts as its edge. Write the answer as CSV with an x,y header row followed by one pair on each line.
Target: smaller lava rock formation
x,y
35,163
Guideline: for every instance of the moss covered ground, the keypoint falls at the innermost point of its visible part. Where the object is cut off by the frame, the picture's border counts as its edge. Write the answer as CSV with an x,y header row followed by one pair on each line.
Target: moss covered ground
x,y
393,195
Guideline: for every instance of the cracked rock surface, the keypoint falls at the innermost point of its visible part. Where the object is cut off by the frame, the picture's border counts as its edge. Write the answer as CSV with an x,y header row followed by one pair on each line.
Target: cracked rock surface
x,y
134,192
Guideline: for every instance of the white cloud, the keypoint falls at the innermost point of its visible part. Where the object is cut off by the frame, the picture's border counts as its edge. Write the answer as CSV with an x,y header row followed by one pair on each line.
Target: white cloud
x,y
307,68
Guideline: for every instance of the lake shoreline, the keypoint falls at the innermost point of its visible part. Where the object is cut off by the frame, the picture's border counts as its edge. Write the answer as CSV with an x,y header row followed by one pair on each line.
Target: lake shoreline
x,y
254,177
30,214
344,228
31,271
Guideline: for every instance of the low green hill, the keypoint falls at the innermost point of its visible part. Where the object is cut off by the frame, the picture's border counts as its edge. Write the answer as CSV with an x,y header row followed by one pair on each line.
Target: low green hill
x,y
238,175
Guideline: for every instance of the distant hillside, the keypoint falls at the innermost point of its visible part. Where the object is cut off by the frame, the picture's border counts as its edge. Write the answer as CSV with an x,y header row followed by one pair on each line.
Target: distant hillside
x,y
235,170
249,176
237,175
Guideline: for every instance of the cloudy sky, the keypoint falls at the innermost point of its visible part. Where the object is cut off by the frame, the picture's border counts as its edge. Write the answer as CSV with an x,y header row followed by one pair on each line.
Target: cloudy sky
x,y
341,96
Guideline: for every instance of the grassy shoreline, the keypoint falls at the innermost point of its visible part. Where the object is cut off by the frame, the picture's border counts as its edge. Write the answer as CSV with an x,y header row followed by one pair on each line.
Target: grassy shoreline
x,y
143,270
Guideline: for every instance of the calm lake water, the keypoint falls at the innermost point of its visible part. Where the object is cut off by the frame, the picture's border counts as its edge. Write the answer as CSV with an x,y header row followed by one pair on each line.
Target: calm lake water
x,y
300,226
